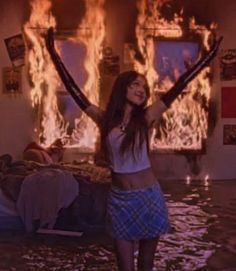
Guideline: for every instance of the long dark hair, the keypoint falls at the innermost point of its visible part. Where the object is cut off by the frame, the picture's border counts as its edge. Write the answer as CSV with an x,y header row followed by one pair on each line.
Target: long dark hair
x,y
137,126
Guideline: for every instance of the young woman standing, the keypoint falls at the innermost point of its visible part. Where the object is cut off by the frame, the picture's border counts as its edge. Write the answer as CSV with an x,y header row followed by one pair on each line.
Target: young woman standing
x,y
136,208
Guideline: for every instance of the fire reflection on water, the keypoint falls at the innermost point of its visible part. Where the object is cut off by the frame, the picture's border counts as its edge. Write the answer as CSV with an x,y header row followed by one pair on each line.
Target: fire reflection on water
x,y
202,238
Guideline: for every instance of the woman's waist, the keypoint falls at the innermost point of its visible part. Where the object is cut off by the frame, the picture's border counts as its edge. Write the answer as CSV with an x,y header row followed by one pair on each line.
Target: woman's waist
x,y
134,180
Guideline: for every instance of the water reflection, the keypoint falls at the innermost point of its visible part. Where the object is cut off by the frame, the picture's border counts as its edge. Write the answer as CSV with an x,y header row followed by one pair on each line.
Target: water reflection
x,y
203,236
185,248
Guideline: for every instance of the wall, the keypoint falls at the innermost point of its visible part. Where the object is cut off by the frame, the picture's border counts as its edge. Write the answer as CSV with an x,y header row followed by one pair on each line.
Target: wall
x,y
17,116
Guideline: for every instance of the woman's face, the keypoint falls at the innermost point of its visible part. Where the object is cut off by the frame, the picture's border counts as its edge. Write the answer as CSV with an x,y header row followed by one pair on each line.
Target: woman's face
x,y
136,91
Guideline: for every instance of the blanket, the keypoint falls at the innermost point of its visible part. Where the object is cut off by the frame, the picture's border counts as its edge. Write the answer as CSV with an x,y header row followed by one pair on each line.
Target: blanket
x,y
43,194
13,174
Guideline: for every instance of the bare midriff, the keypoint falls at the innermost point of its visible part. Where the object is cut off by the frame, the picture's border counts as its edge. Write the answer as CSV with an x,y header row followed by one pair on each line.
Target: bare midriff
x,y
134,180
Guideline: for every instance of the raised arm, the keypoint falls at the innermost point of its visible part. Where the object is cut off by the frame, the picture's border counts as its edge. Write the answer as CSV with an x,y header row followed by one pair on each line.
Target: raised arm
x,y
91,110
157,108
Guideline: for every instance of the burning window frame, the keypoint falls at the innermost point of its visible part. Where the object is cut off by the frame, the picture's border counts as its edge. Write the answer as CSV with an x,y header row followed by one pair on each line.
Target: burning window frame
x,y
203,99
199,99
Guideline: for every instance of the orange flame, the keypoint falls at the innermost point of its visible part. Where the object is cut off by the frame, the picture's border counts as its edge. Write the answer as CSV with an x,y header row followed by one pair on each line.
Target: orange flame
x,y
186,121
91,33
202,31
44,77
149,26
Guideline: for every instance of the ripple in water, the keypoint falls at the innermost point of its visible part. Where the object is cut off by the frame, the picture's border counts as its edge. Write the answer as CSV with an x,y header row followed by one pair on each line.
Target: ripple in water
x,y
185,247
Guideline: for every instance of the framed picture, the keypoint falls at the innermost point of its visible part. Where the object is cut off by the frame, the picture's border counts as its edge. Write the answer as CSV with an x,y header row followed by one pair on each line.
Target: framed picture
x,y
128,53
110,65
11,79
228,65
16,49
229,134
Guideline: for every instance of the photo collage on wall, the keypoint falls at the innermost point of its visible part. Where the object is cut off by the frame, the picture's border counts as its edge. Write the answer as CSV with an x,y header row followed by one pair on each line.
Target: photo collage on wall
x,y
228,94
11,80
11,76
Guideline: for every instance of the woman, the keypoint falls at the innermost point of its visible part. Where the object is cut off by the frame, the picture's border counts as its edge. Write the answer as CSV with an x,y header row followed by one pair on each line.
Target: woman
x,y
136,208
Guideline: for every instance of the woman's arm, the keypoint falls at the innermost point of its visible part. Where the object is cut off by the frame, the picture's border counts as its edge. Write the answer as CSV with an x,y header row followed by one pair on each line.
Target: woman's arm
x,y
91,110
157,108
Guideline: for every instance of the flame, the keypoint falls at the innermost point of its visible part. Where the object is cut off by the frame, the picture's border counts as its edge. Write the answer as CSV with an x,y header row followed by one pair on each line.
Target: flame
x,y
42,73
185,123
44,77
206,180
188,180
91,33
202,30
149,26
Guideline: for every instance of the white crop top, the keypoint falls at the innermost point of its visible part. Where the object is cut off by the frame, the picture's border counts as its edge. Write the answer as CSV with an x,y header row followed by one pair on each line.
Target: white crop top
x,y
126,163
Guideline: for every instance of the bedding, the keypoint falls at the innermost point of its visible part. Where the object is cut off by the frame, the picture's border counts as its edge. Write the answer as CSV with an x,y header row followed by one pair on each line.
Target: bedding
x,y
86,211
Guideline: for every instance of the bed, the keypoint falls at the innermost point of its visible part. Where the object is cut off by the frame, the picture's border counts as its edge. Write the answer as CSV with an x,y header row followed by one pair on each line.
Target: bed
x,y
25,187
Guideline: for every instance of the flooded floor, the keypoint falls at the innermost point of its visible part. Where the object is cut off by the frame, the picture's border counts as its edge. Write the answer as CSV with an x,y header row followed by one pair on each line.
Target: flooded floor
x,y
203,218
203,214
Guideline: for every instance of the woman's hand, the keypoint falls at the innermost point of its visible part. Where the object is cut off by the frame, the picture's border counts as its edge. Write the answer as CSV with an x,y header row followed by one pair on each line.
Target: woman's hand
x,y
202,63
190,74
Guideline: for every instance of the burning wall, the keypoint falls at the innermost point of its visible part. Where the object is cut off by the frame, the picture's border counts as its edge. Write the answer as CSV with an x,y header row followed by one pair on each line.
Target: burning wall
x,y
185,124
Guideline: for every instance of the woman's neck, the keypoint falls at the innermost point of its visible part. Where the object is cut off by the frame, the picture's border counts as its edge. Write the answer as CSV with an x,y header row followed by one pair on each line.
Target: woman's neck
x,y
127,113
126,118
128,110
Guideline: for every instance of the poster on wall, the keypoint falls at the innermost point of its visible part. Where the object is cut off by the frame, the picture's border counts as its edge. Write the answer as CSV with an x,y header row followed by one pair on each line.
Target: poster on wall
x,y
128,53
228,64
229,134
111,63
11,80
16,49
228,102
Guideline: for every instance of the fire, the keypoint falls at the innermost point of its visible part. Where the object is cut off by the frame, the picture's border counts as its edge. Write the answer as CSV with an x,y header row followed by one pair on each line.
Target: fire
x,y
188,180
184,125
91,33
203,31
43,75
44,78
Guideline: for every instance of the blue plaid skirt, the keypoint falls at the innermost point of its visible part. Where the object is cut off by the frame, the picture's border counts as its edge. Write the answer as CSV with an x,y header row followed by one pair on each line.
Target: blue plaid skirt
x,y
137,214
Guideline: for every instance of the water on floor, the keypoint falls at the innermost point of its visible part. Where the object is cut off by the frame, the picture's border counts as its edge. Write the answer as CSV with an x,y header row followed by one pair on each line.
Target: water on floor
x,y
203,237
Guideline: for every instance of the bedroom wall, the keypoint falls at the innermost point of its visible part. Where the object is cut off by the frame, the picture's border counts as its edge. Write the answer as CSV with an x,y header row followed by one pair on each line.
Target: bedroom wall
x,y
17,118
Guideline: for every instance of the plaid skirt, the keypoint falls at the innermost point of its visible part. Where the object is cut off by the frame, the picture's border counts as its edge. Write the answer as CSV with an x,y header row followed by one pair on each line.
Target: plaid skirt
x,y
137,214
